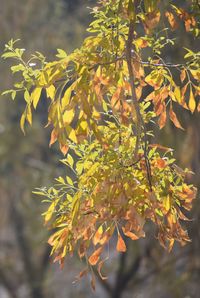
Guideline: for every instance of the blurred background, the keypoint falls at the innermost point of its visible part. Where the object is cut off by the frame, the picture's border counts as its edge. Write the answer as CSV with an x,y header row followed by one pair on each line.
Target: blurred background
x,y
145,270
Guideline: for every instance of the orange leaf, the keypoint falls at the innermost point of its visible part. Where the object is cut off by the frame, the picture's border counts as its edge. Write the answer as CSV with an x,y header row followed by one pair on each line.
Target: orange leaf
x,y
53,137
171,19
121,246
162,119
115,100
64,149
183,75
160,163
174,118
93,259
198,107
130,234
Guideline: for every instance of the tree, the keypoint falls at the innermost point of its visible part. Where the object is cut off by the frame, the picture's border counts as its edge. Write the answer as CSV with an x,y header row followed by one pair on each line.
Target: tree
x,y
104,101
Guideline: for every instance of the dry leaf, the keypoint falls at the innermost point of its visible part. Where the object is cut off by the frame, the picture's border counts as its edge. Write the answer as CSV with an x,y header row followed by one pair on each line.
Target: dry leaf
x,y
121,246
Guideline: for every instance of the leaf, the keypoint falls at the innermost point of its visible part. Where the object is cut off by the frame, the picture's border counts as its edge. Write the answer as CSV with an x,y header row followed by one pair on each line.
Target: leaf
x,y
131,10
177,94
27,96
16,68
121,246
100,265
94,258
171,19
66,97
93,282
98,235
69,180
192,102
174,118
198,107
61,54
183,75
81,274
53,137
130,234
64,149
13,94
167,203
48,214
68,116
162,119
22,122
29,114
70,160
35,96
50,91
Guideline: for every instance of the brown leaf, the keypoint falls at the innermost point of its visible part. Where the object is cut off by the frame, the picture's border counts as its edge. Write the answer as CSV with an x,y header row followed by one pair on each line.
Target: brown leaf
x,y
93,259
160,147
115,100
93,282
162,119
100,265
171,19
183,75
174,119
81,274
151,20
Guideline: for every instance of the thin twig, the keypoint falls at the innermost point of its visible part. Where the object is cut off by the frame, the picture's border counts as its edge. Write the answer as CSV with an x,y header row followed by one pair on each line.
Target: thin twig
x,y
139,119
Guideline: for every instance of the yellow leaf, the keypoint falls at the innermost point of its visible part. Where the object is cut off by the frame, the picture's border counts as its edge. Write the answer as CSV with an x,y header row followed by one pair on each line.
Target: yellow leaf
x,y
66,97
50,91
68,116
48,214
72,135
192,102
35,96
98,235
29,114
22,122
177,94
167,203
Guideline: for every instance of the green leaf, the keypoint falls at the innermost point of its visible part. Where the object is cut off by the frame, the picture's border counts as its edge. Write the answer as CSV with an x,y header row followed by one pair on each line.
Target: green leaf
x,y
16,68
69,180
70,160
61,54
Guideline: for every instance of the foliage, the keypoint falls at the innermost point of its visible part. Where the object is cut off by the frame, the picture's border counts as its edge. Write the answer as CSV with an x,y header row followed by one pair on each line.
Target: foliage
x,y
103,100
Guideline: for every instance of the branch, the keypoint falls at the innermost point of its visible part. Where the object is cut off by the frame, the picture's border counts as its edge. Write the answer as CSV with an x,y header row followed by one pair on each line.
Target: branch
x,y
139,119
